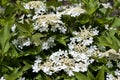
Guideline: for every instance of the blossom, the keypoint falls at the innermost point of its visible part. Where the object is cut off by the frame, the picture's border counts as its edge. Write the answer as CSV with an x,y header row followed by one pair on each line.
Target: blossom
x,y
48,44
35,67
27,43
13,28
109,64
49,22
73,11
87,42
109,77
2,78
117,72
106,5
60,60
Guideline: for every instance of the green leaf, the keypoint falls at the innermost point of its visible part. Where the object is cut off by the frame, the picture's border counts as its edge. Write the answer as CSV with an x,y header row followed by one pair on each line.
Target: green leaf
x,y
100,75
25,28
91,6
6,47
116,22
90,76
3,2
38,77
5,37
14,74
104,20
36,39
80,76
108,39
103,10
61,39
26,67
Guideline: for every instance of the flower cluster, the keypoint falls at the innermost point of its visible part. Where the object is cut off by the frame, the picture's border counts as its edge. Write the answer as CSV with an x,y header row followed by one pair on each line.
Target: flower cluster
x,y
21,42
82,40
38,6
49,21
73,11
76,59
61,60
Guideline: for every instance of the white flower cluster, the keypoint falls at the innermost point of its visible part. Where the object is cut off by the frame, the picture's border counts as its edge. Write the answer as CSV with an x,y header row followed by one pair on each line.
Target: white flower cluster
x,y
49,21
60,60
38,6
21,42
76,59
48,44
73,11
82,41
111,77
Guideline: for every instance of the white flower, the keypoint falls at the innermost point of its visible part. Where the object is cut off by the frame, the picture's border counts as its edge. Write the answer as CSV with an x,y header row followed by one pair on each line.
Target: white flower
x,y
95,32
2,78
70,73
48,44
76,68
106,26
46,69
71,46
75,32
91,49
45,46
87,42
35,17
35,67
117,72
27,43
106,5
109,64
109,77
13,28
